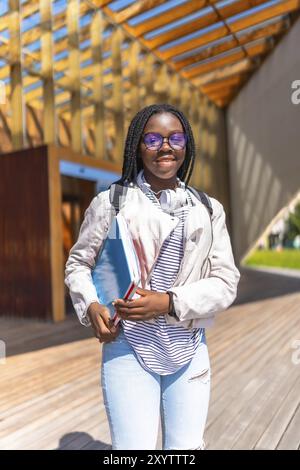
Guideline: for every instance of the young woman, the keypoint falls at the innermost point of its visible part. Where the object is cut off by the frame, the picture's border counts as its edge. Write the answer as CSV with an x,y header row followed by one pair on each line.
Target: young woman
x,y
155,362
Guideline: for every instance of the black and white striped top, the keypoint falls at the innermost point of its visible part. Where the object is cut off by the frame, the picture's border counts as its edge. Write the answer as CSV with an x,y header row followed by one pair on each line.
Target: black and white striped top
x,y
160,347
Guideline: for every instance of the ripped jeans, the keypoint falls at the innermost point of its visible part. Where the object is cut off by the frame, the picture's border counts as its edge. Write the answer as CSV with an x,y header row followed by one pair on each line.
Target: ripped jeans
x,y
135,399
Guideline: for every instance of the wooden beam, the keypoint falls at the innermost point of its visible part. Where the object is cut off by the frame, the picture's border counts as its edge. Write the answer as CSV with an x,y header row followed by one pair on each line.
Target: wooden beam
x,y
175,88
47,71
96,44
148,79
195,116
28,8
252,50
134,66
235,26
136,9
74,73
185,98
161,84
16,97
231,43
264,15
222,92
173,14
204,21
117,98
244,65
56,236
235,80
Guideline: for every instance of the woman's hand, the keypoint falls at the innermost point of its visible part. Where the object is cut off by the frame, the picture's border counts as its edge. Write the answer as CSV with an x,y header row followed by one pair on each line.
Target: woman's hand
x,y
150,305
103,326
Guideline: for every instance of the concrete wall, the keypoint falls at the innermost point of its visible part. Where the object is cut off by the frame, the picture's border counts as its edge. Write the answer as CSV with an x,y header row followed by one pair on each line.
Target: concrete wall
x,y
263,129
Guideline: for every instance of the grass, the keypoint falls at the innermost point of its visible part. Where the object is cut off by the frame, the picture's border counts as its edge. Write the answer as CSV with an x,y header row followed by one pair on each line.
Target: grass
x,y
287,258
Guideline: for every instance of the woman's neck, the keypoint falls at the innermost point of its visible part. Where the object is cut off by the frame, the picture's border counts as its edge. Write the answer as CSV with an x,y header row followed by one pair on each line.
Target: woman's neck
x,y
158,184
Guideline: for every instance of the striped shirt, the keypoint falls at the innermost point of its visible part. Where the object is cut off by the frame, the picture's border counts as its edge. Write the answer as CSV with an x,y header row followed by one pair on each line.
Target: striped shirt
x,y
160,347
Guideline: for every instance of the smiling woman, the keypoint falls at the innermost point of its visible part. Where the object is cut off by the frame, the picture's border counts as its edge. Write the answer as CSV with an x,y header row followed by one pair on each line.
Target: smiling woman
x,y
162,150
157,361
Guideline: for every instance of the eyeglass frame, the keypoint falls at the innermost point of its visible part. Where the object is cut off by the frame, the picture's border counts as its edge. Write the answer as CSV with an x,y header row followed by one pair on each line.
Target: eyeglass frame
x,y
163,140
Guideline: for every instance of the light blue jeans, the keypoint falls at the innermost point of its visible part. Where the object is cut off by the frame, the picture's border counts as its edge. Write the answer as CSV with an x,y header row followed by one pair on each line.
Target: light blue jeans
x,y
135,399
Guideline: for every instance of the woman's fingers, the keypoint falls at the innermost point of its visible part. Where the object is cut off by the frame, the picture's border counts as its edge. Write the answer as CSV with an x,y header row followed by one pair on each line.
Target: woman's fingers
x,y
130,311
105,331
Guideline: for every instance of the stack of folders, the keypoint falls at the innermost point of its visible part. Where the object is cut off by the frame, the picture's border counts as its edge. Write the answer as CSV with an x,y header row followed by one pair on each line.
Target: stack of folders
x,y
117,273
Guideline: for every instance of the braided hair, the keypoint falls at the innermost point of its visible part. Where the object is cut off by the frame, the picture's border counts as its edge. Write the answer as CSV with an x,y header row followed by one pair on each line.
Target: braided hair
x,y
132,162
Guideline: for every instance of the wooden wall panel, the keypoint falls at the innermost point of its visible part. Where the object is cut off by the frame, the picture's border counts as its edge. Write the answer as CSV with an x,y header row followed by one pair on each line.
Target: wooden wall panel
x,y
25,277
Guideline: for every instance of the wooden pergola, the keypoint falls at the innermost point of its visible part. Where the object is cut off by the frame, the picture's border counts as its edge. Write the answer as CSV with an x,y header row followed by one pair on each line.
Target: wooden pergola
x,y
76,70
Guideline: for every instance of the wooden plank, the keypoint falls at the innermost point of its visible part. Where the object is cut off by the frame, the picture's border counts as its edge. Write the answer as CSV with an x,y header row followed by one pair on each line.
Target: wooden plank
x,y
135,9
291,437
240,356
161,83
49,127
202,22
185,98
148,79
275,429
134,67
98,95
173,14
16,97
254,382
28,8
117,98
245,65
252,51
284,395
56,237
235,26
234,80
18,417
241,340
74,73
211,51
175,87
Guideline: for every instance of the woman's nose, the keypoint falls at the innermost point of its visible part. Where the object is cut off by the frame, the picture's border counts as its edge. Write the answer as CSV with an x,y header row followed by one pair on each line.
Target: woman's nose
x,y
165,140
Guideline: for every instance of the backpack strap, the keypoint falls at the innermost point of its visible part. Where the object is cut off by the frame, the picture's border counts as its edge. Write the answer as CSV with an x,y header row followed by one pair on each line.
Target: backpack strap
x,y
203,197
116,192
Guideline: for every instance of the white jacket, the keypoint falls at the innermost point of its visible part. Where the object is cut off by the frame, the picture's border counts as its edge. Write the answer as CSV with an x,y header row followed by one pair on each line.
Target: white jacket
x,y
204,285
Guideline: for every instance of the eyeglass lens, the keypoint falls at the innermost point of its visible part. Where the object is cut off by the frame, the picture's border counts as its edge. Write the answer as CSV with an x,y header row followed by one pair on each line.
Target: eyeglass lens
x,y
154,141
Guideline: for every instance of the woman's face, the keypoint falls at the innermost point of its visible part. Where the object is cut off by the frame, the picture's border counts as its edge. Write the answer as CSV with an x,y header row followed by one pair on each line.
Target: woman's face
x,y
162,164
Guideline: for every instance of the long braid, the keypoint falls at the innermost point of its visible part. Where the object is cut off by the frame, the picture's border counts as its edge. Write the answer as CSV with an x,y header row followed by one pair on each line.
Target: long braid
x,y
132,162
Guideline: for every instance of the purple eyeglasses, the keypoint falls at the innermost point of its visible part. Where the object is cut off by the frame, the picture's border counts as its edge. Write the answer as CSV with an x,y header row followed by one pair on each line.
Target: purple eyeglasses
x,y
154,140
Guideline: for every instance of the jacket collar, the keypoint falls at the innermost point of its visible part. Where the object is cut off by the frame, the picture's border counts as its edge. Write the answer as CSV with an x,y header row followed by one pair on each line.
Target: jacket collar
x,y
196,218
170,199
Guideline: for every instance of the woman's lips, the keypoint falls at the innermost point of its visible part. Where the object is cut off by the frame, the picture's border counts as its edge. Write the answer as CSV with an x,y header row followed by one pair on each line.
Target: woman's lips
x,y
165,159
166,162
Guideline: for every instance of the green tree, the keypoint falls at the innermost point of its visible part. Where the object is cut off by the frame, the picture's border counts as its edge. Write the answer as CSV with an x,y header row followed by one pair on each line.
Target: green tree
x,y
293,224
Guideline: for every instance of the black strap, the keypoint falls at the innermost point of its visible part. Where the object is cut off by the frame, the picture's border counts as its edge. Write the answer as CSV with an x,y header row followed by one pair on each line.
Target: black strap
x,y
203,197
116,191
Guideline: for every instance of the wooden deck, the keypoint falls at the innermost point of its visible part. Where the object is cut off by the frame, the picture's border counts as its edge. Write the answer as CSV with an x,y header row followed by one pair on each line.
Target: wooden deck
x,y
50,396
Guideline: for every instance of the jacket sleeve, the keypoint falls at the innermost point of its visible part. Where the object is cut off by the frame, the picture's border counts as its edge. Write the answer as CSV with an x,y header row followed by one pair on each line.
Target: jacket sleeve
x,y
82,257
204,298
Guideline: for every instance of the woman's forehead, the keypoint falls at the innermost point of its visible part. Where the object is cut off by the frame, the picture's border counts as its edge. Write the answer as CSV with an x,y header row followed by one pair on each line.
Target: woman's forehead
x,y
163,121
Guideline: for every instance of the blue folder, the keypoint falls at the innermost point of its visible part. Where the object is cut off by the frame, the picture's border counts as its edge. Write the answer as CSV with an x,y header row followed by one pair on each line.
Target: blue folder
x,y
117,271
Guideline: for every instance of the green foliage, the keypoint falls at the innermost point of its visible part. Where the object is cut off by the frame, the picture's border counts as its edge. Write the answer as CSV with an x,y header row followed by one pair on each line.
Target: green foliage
x,y
287,258
293,224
